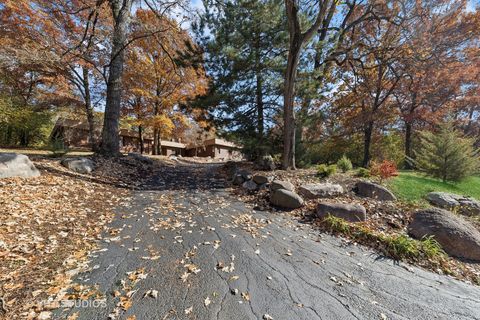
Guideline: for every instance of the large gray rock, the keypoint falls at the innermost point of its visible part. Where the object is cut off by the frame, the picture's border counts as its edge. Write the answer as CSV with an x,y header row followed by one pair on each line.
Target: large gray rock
x,y
349,212
261,179
464,205
80,165
457,236
320,190
286,199
373,190
17,165
278,184
250,185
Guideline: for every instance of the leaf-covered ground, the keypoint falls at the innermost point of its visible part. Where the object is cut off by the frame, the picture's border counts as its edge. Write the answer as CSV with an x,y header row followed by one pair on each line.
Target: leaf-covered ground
x,y
47,226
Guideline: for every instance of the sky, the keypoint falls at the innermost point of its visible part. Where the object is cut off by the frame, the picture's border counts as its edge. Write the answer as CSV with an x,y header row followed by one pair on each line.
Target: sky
x,y
471,5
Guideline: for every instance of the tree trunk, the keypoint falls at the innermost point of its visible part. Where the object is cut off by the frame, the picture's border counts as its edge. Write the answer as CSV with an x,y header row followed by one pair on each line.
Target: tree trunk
x,y
259,90
297,39
408,144
288,102
89,110
140,138
110,137
259,101
367,143
156,142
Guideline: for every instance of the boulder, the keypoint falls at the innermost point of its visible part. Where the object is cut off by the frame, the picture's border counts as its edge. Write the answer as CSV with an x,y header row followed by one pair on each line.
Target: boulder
x,y
245,174
278,184
457,236
17,165
373,190
320,190
349,212
266,163
250,185
463,205
238,180
80,165
286,199
261,179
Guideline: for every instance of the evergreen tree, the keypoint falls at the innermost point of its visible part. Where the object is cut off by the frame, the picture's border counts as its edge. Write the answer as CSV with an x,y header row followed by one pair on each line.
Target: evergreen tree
x,y
244,45
446,154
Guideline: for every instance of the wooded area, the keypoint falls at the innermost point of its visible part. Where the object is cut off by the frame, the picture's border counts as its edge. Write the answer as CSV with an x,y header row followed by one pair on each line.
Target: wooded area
x,y
304,81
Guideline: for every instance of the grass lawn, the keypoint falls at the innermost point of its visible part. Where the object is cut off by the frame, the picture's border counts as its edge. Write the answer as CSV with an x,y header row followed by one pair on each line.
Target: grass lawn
x,y
413,187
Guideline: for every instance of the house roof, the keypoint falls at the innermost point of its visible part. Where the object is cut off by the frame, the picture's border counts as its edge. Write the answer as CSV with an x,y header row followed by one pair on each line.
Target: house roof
x,y
72,123
221,142
172,144
215,142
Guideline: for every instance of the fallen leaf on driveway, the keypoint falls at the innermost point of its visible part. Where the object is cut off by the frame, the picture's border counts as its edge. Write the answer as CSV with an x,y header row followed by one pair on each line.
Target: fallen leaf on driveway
x,y
151,293
207,301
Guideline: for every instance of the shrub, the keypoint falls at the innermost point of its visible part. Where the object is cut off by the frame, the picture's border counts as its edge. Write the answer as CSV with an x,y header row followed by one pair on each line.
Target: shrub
x,y
344,164
325,171
431,248
446,154
401,246
363,173
57,148
336,225
386,169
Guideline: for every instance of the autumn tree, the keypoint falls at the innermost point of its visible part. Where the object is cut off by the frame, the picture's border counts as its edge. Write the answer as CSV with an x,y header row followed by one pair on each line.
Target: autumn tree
x,y
157,82
436,64
371,74
329,22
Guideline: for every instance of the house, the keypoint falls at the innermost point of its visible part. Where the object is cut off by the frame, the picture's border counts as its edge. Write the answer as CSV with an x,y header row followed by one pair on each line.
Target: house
x,y
74,135
217,149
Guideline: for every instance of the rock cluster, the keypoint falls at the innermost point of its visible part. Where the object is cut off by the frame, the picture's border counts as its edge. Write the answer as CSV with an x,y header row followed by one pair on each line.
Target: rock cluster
x,y
282,193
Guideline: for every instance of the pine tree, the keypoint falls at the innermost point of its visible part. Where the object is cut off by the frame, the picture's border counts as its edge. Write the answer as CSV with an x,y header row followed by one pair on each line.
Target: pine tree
x,y
244,43
446,154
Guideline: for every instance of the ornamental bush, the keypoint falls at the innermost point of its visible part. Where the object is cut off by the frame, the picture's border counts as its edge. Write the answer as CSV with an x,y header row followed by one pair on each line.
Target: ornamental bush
x,y
344,164
446,154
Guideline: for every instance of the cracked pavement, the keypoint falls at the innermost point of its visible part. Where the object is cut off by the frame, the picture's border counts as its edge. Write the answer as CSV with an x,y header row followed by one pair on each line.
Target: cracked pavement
x,y
287,269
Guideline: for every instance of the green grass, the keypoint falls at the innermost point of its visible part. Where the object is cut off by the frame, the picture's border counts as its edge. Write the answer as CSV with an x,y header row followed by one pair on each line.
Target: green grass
x,y
396,246
413,187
